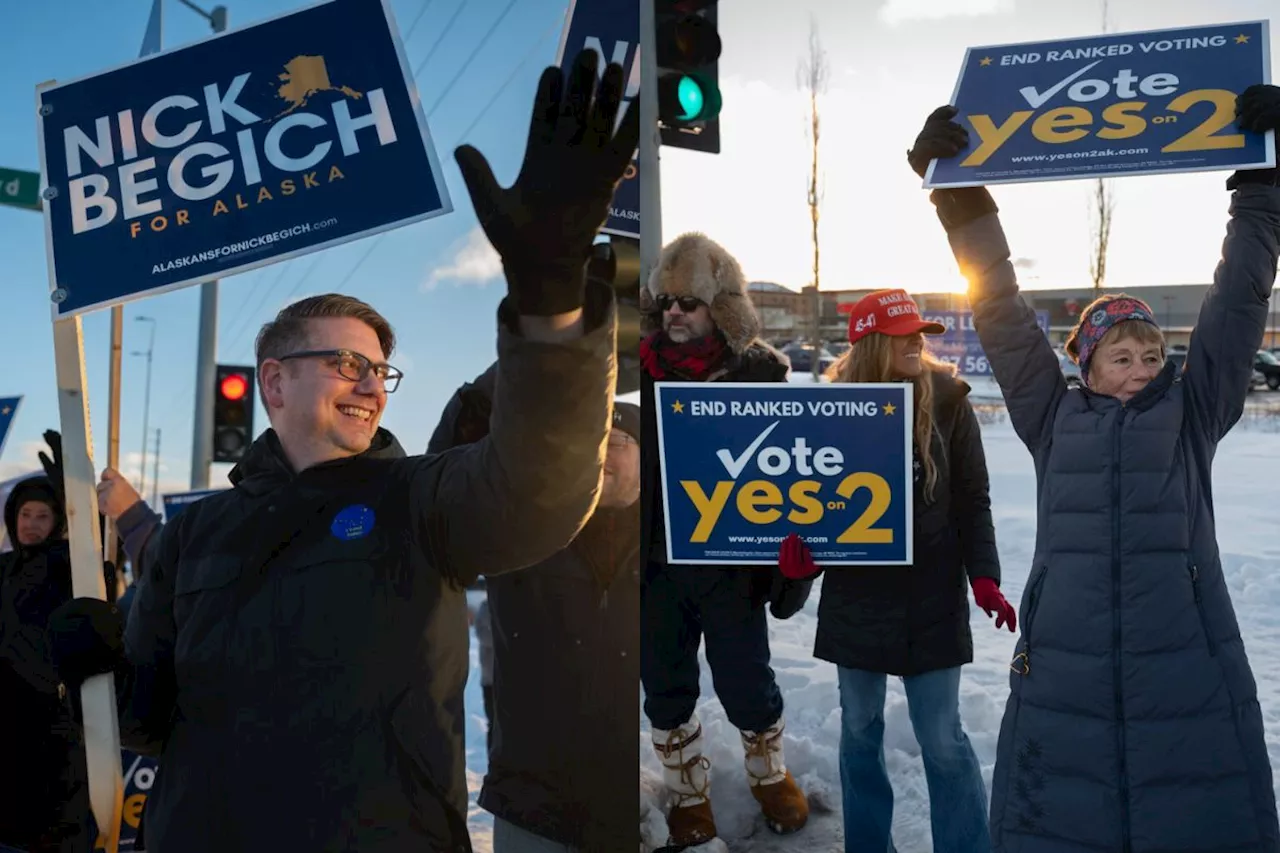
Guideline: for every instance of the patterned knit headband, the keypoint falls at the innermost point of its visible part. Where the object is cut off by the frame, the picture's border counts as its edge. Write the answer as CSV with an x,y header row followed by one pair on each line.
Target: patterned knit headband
x,y
1099,322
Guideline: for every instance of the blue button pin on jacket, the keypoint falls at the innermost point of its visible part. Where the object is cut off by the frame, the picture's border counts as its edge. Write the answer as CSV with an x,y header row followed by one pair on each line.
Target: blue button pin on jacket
x,y
353,522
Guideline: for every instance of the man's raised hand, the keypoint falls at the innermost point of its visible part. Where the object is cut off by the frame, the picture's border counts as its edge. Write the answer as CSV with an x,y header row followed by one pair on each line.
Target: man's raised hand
x,y
544,224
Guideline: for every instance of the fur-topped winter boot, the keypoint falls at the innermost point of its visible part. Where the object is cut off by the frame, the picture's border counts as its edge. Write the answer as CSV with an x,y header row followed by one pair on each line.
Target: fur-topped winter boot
x,y
686,772
784,805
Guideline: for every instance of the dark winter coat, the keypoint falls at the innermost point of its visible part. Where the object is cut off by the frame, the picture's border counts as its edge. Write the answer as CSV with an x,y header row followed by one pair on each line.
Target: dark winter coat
x,y
908,620
1133,724
43,786
566,675
756,363
299,643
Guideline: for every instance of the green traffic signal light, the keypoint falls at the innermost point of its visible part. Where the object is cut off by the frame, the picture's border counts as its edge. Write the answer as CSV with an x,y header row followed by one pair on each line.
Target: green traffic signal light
x,y
686,97
689,93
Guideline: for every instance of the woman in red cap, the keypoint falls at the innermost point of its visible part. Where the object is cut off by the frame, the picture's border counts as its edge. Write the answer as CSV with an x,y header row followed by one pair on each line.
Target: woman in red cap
x,y
913,622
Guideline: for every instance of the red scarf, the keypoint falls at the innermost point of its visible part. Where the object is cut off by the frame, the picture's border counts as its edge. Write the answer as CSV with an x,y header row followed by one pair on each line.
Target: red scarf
x,y
695,360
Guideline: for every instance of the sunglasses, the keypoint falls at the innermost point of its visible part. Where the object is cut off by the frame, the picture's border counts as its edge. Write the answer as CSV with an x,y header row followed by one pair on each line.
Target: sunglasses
x,y
688,304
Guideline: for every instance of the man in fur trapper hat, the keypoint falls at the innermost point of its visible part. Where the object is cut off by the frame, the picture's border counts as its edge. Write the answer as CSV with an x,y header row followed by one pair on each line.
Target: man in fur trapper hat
x,y
703,328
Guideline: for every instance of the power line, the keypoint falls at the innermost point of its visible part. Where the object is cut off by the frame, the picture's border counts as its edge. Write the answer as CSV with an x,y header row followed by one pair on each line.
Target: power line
x,y
448,87
510,79
452,20
408,35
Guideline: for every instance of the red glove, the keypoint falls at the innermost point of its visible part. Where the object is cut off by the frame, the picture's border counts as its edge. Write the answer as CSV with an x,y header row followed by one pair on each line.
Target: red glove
x,y
794,560
988,596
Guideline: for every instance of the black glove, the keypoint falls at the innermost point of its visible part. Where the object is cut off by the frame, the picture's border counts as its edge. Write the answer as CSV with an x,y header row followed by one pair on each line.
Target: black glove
x,y
543,226
1257,111
86,638
53,467
943,138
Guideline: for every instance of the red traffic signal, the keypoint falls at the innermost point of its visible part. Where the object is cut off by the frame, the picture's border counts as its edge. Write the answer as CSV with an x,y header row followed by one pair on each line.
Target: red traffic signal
x,y
234,386
232,412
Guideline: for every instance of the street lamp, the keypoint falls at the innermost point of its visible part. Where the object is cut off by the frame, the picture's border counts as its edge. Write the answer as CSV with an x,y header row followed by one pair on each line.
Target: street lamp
x,y
146,406
207,337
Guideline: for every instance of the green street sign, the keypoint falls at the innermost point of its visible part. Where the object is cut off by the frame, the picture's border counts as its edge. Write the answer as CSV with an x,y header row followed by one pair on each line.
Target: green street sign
x,y
20,189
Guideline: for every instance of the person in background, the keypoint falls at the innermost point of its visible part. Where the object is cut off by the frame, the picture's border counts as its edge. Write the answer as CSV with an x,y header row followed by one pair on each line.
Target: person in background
x,y
566,697
705,329
44,797
913,621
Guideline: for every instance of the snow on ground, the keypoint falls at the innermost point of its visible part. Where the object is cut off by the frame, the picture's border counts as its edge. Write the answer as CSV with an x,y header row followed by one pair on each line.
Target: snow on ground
x,y
1247,467
479,821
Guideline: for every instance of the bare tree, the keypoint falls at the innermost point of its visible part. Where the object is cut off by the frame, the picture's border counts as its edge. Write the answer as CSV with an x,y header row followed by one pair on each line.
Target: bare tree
x,y
1101,207
811,77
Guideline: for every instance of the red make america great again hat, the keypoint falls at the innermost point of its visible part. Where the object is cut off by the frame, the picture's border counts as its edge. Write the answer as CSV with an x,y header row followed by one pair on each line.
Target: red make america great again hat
x,y
889,312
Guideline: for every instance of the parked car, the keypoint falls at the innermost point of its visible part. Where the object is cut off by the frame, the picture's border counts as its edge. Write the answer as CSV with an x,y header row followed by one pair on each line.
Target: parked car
x,y
1269,366
1070,369
801,356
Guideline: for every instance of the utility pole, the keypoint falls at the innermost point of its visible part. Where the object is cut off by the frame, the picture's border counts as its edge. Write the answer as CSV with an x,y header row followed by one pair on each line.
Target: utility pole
x,y
146,406
155,475
650,141
207,342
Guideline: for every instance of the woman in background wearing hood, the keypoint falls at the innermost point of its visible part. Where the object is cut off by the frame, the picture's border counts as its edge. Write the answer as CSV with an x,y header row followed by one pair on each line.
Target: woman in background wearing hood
x,y
44,799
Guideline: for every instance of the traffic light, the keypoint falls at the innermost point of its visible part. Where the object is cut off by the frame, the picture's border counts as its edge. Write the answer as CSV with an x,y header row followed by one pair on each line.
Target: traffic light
x,y
232,412
688,57
618,264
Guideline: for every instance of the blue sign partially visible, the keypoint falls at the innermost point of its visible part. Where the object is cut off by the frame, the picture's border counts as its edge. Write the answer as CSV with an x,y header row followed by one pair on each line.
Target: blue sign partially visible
x,y
176,503
746,464
8,411
1143,103
139,777
612,29
959,344
259,145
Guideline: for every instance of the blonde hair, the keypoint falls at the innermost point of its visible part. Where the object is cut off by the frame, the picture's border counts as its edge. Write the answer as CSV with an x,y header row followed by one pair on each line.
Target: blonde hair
x,y
870,359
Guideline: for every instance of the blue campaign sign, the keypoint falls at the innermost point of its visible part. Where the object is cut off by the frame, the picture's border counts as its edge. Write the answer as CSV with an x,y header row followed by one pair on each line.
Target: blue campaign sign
x,y
259,145
959,344
139,777
612,29
1143,103
176,503
8,411
746,464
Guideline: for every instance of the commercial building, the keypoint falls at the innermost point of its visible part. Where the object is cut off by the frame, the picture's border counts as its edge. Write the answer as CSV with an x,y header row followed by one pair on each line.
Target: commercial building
x,y
787,314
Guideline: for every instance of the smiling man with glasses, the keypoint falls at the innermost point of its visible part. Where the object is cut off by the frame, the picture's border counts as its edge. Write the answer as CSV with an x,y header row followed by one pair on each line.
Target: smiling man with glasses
x,y
297,650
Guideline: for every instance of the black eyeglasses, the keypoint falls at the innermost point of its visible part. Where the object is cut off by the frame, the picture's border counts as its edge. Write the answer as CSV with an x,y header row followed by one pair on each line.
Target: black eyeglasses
x,y
688,304
353,366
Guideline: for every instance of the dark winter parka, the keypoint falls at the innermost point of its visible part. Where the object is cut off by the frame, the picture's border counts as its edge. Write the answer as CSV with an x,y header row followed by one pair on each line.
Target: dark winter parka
x,y
1133,723
757,363
299,643
566,636
911,620
43,786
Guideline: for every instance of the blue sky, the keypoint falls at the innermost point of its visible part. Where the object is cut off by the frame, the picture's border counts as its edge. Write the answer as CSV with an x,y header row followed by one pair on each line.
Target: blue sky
x,y
891,61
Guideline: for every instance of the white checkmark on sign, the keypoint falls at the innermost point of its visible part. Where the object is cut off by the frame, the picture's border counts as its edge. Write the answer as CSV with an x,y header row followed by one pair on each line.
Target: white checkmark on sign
x,y
1037,100
735,466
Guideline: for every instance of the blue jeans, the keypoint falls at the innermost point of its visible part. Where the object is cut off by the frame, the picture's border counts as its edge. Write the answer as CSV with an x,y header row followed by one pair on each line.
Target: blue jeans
x,y
957,795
